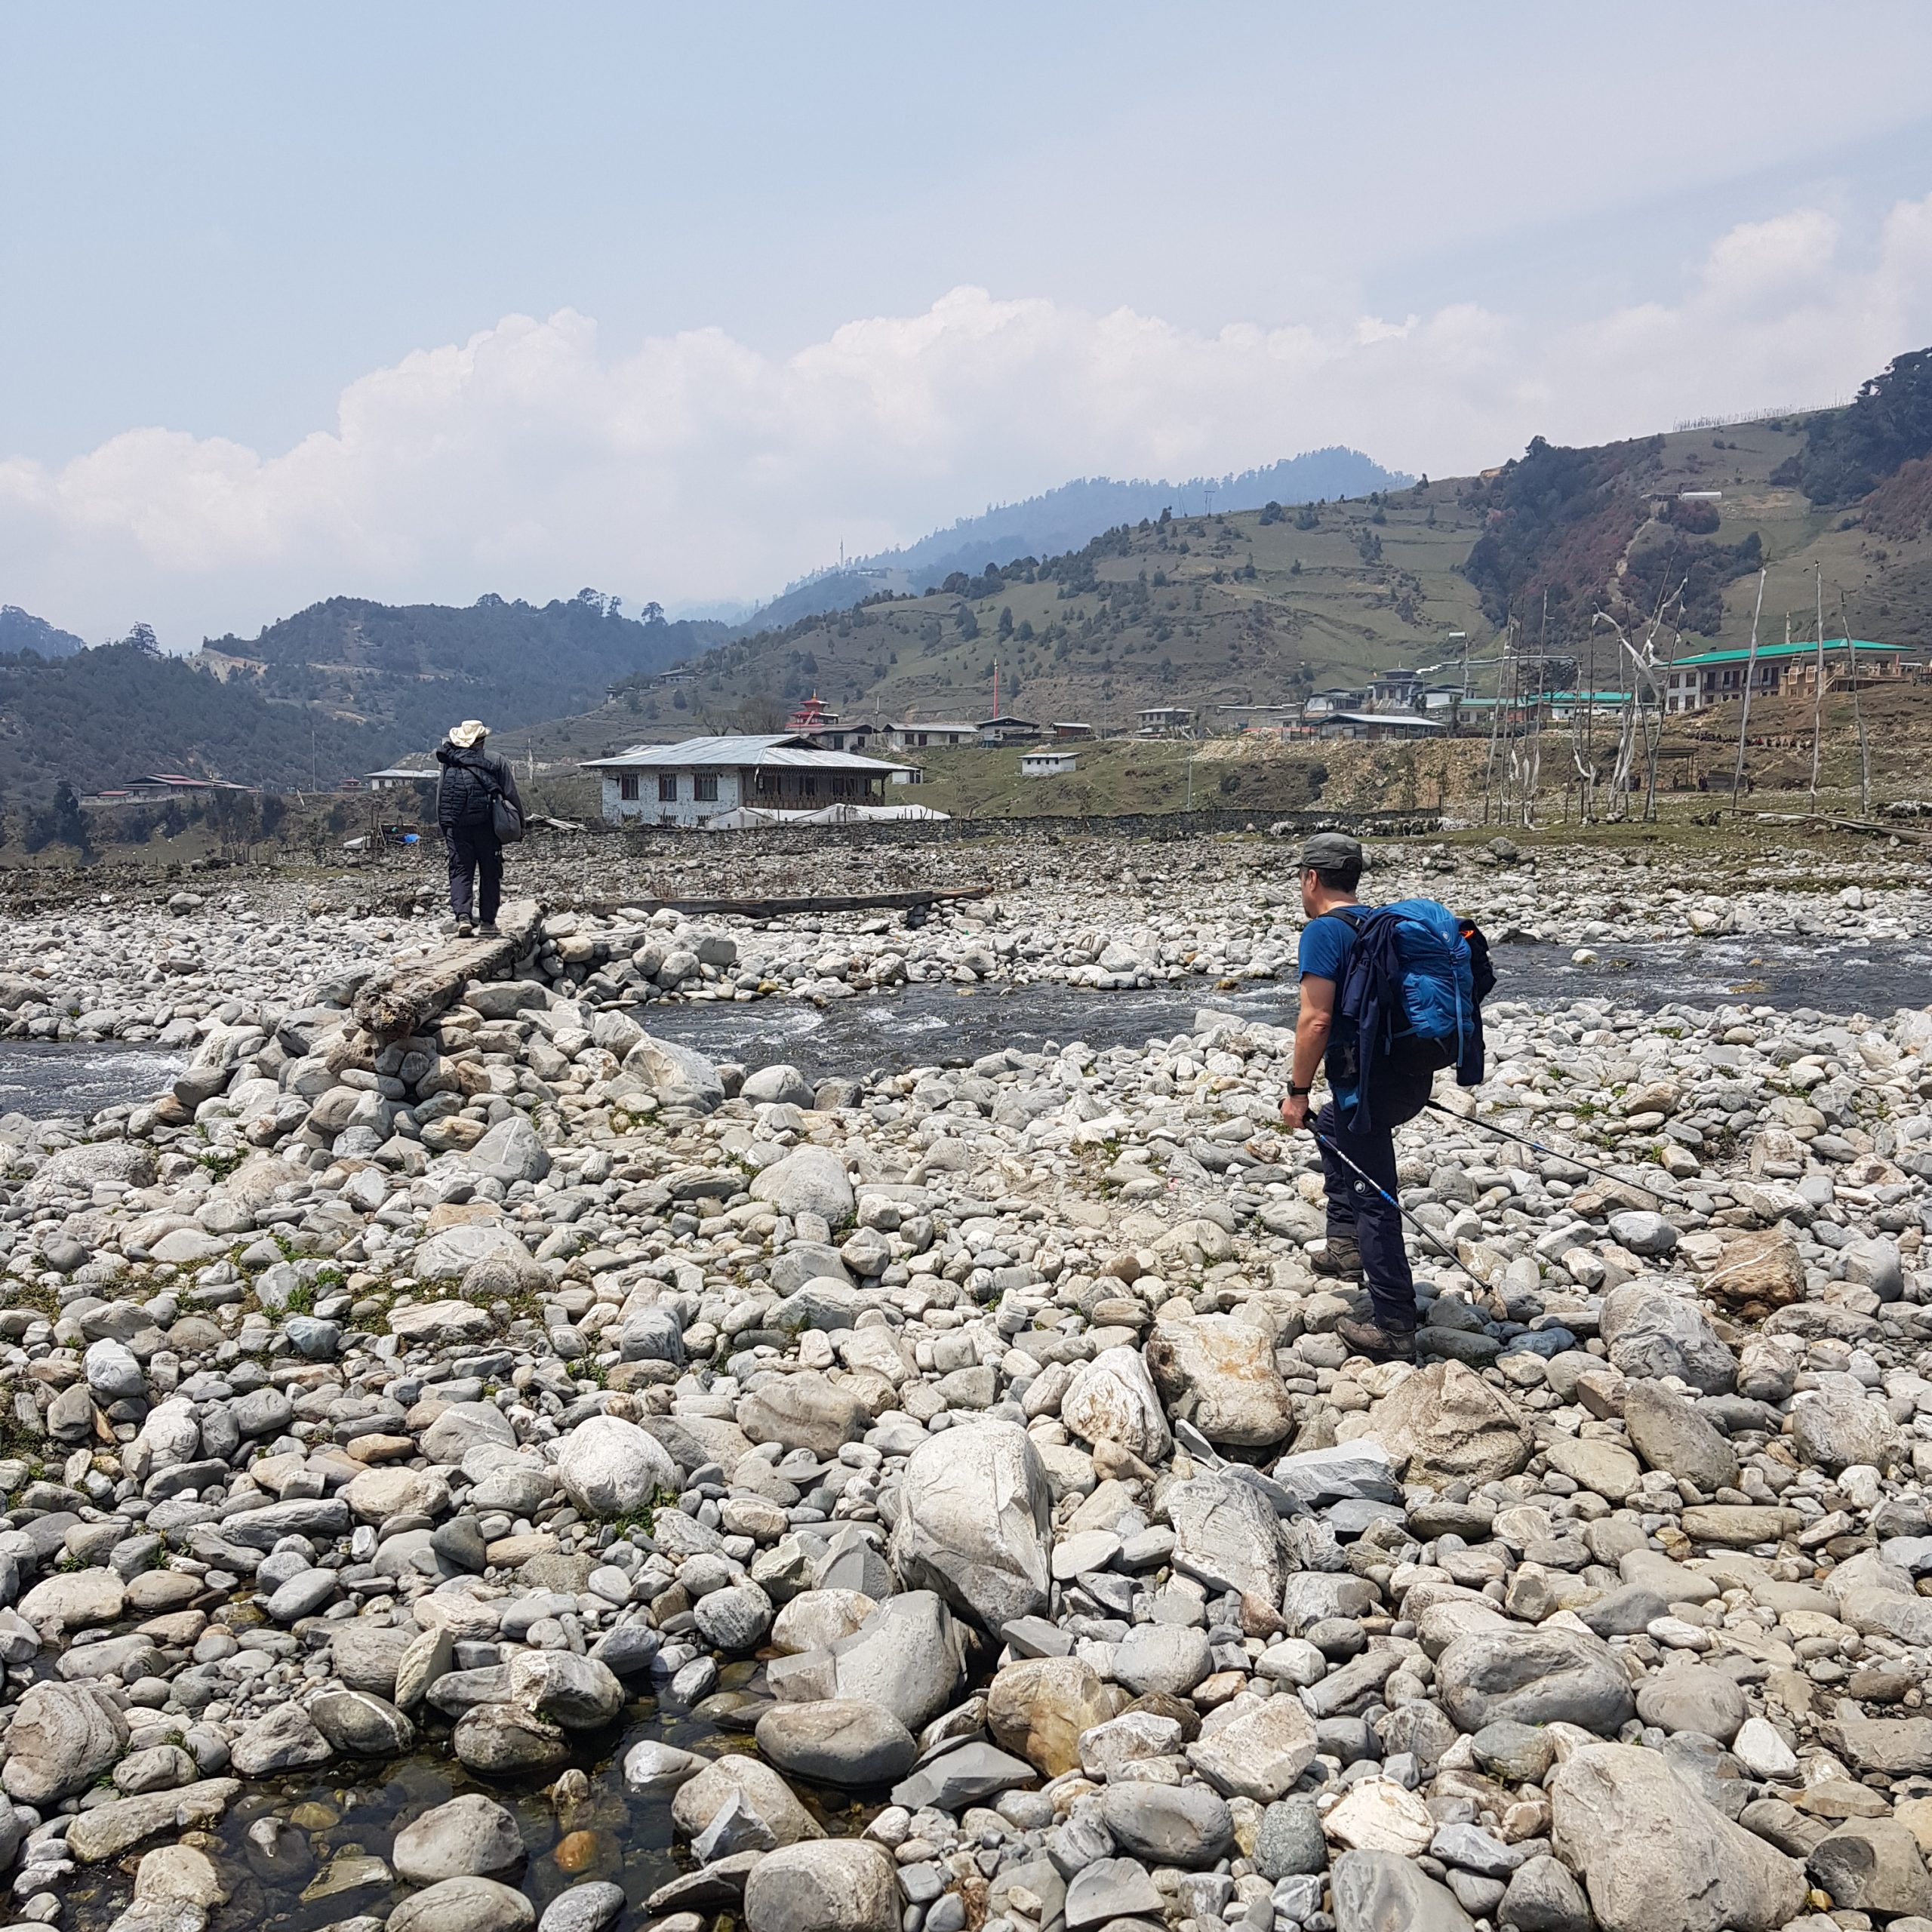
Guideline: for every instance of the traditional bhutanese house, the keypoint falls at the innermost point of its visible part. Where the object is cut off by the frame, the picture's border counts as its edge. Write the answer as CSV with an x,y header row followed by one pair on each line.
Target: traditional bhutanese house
x,y
699,778
1786,670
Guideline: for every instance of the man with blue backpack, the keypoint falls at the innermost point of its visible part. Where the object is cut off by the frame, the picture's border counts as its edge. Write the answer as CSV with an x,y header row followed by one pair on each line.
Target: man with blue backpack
x,y
1390,995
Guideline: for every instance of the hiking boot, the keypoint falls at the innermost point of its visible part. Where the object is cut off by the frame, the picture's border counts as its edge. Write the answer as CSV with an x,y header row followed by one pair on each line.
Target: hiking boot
x,y
1339,1257
1377,1342
463,929
489,929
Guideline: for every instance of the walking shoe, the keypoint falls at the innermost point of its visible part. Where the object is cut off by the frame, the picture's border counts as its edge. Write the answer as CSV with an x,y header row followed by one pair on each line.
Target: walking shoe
x,y
1339,1256
489,929
1378,1343
463,929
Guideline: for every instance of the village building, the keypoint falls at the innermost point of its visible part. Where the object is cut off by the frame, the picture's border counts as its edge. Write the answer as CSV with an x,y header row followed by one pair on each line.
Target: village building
x,y
1163,720
396,776
179,784
1004,729
918,735
828,731
1381,724
1046,765
1395,690
700,779
1788,670
1332,700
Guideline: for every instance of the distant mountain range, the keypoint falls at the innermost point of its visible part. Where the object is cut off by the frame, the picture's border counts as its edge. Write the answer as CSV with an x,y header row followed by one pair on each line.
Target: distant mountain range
x,y
1063,519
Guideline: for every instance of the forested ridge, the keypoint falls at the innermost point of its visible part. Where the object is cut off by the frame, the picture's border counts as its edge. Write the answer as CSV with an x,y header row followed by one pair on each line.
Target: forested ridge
x,y
335,689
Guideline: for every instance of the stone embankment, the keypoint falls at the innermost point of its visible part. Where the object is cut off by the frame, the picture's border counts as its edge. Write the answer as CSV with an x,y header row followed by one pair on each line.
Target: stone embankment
x,y
971,1447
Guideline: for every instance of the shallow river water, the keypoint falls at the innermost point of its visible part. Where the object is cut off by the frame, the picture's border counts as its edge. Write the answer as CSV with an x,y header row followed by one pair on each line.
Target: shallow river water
x,y
929,1023
921,1024
617,1834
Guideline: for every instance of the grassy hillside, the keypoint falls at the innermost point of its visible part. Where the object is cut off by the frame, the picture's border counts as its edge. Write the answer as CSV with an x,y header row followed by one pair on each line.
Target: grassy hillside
x,y
1248,608
1075,513
1259,607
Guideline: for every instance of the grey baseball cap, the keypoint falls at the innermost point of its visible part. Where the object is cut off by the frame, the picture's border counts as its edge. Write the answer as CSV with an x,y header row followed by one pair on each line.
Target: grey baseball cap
x,y
1330,851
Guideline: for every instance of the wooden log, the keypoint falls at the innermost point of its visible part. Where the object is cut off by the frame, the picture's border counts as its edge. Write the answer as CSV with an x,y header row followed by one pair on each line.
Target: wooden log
x,y
404,999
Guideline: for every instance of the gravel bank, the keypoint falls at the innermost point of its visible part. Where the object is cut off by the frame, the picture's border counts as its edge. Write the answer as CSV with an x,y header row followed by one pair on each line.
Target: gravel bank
x,y
970,1448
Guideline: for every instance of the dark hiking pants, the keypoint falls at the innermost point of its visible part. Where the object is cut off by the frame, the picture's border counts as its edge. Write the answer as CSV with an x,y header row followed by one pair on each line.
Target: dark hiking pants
x,y
1356,1210
475,859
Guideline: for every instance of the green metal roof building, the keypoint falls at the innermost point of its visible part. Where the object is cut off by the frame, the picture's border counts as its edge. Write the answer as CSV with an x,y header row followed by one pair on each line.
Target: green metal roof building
x,y
1717,677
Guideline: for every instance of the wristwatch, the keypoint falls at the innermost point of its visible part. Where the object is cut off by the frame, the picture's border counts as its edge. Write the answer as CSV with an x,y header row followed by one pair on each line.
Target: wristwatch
x,y
1299,1093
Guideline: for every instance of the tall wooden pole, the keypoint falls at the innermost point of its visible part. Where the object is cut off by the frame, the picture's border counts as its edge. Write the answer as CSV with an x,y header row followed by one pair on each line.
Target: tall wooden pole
x,y
1750,670
1818,690
1495,722
1857,716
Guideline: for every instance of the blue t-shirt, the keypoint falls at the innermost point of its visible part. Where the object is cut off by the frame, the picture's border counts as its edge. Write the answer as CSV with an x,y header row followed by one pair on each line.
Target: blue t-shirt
x,y
1326,943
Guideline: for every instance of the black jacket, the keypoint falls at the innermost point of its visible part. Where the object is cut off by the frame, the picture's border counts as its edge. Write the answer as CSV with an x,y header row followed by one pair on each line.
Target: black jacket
x,y
470,779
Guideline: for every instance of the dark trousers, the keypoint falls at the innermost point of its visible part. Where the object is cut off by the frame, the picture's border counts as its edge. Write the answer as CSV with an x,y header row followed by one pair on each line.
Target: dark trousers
x,y
1356,1210
474,857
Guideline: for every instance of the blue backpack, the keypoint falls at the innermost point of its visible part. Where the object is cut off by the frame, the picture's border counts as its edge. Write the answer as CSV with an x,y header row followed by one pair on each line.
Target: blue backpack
x,y
1415,982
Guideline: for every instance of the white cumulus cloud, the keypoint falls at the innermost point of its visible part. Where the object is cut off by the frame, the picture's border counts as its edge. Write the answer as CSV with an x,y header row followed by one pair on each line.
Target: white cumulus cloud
x,y
534,457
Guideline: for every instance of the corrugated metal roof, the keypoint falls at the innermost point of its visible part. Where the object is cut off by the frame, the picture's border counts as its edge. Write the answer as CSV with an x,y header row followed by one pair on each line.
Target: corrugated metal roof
x,y
738,749
790,749
1779,650
1407,721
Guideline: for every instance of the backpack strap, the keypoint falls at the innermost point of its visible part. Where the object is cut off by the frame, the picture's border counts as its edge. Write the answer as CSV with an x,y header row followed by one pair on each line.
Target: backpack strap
x,y
482,770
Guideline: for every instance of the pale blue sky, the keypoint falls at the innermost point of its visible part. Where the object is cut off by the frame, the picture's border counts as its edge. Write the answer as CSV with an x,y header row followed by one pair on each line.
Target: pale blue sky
x,y
214,218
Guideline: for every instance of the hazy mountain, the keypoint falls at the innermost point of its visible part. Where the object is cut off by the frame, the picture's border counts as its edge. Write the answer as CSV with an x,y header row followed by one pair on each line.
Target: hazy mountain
x,y
836,590
1065,518
21,630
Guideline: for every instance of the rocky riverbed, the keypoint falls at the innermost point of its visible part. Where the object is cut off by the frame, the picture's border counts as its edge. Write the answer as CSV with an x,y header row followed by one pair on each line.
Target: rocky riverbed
x,y
528,1467
1081,915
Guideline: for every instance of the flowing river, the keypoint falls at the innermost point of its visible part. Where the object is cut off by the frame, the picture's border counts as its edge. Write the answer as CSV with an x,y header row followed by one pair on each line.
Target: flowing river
x,y
922,1024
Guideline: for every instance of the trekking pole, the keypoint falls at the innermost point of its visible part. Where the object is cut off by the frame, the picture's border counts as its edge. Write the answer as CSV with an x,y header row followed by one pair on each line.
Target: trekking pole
x,y
1537,1146
1428,1233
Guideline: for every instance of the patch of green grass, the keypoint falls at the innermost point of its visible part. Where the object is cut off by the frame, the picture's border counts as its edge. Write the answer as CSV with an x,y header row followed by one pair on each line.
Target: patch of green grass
x,y
644,1517
18,1444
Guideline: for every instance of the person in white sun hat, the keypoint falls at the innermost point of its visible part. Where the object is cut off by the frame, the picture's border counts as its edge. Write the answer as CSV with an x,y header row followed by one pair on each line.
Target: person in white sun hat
x,y
474,788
